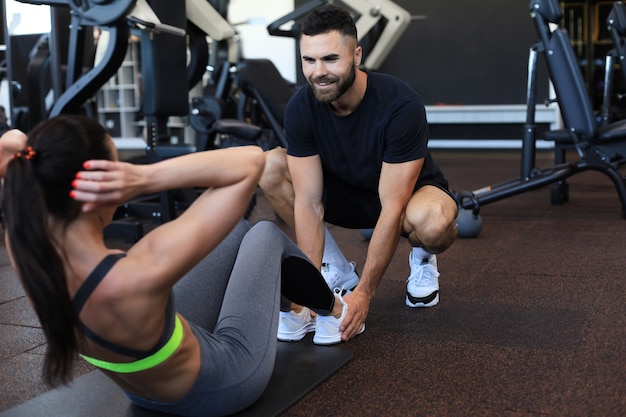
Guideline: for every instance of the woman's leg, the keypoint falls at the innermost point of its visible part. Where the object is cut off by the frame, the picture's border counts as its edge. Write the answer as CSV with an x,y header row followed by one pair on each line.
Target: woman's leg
x,y
303,284
248,321
199,294
238,354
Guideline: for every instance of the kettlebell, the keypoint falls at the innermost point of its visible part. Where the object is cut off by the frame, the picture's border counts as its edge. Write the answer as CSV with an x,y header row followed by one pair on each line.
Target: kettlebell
x,y
468,221
366,233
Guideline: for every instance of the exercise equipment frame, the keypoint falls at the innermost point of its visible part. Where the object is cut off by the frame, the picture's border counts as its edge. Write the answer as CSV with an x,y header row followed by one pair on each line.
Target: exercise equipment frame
x,y
600,148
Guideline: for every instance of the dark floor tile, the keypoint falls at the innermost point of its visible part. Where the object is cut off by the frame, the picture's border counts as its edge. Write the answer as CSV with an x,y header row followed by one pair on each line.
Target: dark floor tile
x,y
10,287
19,339
24,373
507,326
4,257
596,375
18,313
500,378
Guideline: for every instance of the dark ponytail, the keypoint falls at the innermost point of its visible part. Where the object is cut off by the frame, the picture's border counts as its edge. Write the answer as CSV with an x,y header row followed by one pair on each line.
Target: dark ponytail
x,y
37,189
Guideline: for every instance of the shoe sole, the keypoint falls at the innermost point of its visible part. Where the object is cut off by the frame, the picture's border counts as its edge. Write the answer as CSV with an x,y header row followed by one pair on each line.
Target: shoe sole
x,y
296,336
429,301
334,340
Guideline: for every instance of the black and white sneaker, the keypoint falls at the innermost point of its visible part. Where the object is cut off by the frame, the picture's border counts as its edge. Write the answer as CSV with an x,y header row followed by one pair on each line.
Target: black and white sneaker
x,y
422,288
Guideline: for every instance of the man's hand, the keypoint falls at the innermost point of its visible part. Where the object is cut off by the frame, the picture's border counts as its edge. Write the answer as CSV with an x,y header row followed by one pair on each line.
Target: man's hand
x,y
358,306
11,142
106,183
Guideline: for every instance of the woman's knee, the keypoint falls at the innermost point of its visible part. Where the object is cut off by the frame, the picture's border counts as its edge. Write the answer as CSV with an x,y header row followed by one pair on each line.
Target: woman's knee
x,y
264,229
263,236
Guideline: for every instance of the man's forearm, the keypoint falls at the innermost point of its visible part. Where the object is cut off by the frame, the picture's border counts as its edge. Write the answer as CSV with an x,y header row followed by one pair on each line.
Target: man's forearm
x,y
380,251
12,141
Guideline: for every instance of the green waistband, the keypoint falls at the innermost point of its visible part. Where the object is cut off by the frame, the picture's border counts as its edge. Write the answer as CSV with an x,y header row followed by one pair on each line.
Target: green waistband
x,y
146,363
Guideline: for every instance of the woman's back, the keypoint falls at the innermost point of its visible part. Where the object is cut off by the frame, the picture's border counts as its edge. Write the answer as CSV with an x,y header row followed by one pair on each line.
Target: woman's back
x,y
117,313
118,310
54,227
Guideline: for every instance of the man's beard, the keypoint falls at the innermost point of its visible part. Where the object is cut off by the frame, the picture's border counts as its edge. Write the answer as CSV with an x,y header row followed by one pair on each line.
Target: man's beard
x,y
341,86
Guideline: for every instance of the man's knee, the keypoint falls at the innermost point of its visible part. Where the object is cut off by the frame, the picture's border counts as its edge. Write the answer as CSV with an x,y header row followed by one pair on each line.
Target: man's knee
x,y
432,226
275,171
435,237
427,222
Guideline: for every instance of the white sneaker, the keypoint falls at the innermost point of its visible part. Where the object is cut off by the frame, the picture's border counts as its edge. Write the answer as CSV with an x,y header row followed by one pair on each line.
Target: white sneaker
x,y
327,330
336,279
422,289
294,326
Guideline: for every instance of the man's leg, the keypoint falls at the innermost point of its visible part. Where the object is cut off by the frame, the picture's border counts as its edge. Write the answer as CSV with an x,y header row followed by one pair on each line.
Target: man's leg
x,y
278,189
430,228
277,186
338,272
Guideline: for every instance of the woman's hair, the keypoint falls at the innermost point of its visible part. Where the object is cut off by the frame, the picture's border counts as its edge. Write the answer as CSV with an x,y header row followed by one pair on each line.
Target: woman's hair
x,y
36,189
326,19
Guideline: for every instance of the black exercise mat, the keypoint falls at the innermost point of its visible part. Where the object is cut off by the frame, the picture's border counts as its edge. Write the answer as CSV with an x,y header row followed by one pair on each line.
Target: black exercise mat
x,y
299,369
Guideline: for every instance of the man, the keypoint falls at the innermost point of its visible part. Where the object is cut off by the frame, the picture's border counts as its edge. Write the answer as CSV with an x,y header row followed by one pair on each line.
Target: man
x,y
357,157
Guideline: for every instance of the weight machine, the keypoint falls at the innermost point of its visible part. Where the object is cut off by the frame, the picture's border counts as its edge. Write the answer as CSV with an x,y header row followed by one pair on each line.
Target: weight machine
x,y
616,24
379,23
167,30
600,148
116,17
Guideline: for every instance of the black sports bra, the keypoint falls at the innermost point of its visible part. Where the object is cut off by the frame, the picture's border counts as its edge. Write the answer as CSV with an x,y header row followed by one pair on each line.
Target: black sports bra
x,y
90,284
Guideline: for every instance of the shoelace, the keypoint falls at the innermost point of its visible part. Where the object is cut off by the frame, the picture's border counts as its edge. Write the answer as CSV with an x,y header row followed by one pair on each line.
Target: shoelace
x,y
432,271
341,292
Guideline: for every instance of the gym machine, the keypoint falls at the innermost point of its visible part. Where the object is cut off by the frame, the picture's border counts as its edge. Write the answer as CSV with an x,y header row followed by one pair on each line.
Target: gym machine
x,y
163,55
600,148
616,25
115,16
218,115
380,24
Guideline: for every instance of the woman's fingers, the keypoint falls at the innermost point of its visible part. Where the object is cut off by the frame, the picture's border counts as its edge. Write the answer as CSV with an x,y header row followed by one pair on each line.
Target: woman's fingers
x,y
100,184
105,182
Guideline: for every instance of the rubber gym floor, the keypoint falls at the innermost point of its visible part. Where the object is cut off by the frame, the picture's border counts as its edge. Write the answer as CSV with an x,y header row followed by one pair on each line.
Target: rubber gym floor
x,y
531,319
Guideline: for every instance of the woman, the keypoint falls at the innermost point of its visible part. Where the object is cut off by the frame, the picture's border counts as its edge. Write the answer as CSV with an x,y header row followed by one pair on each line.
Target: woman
x,y
185,321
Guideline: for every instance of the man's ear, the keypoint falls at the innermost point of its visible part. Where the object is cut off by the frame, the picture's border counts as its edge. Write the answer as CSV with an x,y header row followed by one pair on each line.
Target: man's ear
x,y
358,56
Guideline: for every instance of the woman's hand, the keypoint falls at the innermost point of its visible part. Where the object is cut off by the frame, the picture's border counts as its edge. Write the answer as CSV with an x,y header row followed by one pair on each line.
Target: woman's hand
x,y
106,183
11,142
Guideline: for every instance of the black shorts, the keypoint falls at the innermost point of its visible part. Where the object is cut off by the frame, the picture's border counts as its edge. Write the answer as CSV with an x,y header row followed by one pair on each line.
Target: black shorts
x,y
353,208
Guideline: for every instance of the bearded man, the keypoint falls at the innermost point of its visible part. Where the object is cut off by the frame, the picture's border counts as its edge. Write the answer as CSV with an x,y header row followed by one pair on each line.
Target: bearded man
x,y
357,158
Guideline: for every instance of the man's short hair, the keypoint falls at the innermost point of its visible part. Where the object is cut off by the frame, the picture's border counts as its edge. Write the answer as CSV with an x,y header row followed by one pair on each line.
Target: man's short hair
x,y
326,19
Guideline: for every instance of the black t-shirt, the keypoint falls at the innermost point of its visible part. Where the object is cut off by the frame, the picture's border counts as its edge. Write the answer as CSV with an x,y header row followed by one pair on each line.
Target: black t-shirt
x,y
388,126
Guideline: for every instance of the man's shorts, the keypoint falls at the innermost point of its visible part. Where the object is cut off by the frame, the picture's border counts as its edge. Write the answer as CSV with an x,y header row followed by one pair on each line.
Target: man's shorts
x,y
353,208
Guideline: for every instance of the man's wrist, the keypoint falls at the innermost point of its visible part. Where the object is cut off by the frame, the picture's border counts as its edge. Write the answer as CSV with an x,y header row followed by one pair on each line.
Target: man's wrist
x,y
363,288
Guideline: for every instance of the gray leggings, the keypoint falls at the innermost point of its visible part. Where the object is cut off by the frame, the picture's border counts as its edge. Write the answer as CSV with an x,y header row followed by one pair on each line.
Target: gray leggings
x,y
231,300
